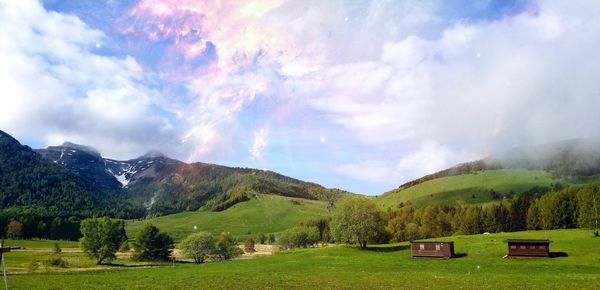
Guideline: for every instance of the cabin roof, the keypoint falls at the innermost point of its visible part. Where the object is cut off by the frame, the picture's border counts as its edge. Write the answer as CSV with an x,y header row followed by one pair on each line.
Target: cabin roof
x,y
528,241
432,242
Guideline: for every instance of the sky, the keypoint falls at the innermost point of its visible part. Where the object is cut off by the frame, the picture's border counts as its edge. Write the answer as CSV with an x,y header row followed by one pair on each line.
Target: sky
x,y
357,95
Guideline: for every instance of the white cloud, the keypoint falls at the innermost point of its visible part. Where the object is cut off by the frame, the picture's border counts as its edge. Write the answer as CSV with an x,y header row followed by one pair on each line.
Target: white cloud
x,y
429,157
55,88
529,78
261,141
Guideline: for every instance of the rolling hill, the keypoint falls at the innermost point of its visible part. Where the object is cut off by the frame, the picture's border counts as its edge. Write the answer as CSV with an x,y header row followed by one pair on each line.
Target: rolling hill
x,y
263,214
475,187
528,170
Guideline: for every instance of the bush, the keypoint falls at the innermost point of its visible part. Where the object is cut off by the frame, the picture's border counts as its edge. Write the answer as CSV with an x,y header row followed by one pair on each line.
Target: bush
x,y
199,246
249,246
152,245
57,250
272,239
227,247
299,237
261,238
56,262
33,265
124,246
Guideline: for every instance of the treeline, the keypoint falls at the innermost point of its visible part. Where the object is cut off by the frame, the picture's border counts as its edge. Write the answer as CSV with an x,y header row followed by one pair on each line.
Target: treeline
x,y
29,227
357,220
567,208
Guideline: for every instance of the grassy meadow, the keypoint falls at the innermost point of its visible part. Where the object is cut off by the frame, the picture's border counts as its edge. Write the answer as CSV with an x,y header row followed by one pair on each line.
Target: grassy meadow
x,y
470,188
346,267
264,214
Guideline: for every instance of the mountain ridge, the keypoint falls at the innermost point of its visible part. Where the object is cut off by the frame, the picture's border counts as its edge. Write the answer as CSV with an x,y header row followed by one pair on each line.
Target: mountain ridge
x,y
163,185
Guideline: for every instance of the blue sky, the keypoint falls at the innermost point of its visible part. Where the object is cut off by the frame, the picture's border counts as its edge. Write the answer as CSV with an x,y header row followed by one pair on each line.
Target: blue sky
x,y
358,95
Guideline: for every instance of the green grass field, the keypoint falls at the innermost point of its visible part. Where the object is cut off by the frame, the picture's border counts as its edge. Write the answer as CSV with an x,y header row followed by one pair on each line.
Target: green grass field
x,y
266,214
343,267
449,190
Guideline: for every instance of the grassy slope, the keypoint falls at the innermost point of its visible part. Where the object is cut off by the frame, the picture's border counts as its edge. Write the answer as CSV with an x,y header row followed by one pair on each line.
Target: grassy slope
x,y
382,267
448,190
267,214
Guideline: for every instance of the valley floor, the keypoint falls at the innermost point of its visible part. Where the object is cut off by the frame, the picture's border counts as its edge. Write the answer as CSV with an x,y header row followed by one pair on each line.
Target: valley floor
x,y
342,267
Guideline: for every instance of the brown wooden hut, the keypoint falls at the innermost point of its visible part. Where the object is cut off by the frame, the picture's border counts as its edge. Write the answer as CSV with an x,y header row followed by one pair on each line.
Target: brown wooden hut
x,y
528,248
432,249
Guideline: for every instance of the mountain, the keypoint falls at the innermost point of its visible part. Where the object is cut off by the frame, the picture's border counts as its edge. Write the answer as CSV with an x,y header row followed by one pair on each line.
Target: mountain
x,y
161,185
32,185
528,170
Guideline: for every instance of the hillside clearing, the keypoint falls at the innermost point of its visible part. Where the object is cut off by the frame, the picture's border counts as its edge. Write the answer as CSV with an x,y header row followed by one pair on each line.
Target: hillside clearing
x,y
469,188
265,214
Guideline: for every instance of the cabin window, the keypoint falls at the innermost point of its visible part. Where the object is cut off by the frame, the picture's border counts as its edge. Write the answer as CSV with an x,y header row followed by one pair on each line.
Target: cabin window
x,y
522,247
437,247
514,247
422,247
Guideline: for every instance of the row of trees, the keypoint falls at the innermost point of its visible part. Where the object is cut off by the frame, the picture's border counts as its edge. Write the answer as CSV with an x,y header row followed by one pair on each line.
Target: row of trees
x,y
28,227
357,220
103,237
566,208
202,246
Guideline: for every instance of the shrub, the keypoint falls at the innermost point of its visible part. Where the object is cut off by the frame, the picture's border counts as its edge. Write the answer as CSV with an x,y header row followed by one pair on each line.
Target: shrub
x,y
272,239
124,246
299,237
249,246
199,246
33,265
261,238
56,262
57,250
227,247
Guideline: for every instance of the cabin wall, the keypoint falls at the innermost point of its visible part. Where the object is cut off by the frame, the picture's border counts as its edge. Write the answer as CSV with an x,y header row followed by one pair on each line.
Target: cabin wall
x,y
528,249
439,250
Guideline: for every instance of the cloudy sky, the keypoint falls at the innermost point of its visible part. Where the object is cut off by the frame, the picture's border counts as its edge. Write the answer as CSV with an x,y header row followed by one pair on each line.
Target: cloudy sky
x,y
355,94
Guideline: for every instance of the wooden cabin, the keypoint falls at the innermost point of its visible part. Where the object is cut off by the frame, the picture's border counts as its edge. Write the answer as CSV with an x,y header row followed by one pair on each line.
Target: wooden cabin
x,y
528,248
432,249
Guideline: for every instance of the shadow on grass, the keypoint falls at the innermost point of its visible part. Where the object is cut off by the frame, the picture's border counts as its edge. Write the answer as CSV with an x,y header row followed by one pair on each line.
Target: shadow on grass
x,y
387,249
116,265
558,254
459,255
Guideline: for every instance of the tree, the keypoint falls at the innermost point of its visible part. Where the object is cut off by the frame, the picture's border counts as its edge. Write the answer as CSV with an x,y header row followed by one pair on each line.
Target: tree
x,y
152,245
533,216
14,230
199,246
588,207
227,247
272,239
299,237
261,238
101,238
249,246
357,220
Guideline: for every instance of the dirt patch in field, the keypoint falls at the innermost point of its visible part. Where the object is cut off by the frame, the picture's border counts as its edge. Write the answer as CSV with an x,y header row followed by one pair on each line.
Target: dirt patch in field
x,y
261,250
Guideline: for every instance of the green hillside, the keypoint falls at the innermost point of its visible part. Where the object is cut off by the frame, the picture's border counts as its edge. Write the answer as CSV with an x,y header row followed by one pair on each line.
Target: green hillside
x,y
471,187
340,267
266,214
